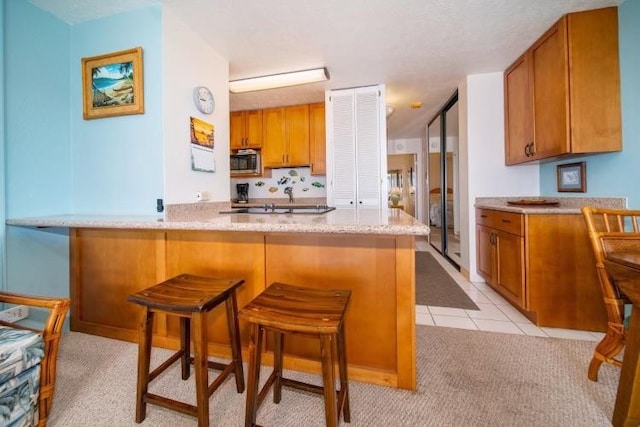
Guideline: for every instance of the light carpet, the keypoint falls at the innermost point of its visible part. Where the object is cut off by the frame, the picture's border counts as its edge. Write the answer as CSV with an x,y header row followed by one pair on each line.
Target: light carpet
x,y
469,378
435,287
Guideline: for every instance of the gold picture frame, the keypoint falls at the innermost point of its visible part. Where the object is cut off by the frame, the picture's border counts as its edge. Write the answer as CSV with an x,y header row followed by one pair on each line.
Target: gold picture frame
x,y
112,84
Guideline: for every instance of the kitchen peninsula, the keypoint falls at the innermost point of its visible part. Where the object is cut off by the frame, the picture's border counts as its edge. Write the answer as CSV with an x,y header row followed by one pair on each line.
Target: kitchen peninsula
x,y
371,252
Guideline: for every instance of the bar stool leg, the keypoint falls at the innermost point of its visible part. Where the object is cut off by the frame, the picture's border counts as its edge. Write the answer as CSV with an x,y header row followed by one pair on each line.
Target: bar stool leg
x,y
234,340
185,340
255,349
328,379
201,367
277,366
144,361
344,383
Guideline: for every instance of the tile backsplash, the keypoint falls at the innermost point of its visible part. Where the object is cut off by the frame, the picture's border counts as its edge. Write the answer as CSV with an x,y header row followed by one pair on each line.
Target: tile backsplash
x,y
303,183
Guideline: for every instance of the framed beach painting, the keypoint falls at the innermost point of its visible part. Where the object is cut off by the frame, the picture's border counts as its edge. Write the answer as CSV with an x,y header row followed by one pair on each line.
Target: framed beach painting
x,y
112,84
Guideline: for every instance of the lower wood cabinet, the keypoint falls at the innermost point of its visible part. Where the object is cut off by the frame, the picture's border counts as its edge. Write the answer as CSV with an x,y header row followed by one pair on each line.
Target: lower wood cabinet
x,y
107,265
543,265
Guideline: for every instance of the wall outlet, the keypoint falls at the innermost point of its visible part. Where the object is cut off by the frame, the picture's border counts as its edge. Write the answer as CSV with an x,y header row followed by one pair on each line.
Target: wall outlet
x,y
14,314
203,196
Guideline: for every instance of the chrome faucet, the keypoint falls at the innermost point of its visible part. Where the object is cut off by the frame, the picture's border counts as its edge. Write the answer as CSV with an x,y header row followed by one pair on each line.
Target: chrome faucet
x,y
289,192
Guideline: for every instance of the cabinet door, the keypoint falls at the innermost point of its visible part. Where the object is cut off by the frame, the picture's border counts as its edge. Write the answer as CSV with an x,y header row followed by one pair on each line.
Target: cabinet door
x,y
486,262
297,131
273,137
551,93
253,128
341,177
368,148
510,278
317,139
518,112
237,134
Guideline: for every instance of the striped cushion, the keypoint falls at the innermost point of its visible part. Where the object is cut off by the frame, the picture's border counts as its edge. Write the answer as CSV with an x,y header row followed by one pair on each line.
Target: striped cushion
x,y
20,354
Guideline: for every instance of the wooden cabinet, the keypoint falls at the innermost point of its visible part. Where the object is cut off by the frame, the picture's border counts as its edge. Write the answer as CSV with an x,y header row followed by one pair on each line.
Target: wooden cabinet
x,y
562,96
317,139
500,254
285,136
246,129
107,265
542,264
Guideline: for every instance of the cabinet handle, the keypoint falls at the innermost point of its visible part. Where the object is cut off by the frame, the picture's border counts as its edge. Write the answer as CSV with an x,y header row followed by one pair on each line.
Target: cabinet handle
x,y
483,216
526,150
506,221
533,149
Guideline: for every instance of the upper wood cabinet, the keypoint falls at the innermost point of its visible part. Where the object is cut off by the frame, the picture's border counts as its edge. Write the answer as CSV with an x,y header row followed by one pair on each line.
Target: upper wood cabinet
x,y
246,129
317,139
285,140
562,96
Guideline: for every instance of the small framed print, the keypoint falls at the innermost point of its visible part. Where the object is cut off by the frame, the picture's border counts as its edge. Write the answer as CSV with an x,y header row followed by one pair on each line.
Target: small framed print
x,y
572,177
112,84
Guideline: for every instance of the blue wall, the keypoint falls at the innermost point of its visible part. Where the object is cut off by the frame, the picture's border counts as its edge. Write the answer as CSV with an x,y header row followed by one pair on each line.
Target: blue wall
x,y
3,213
38,172
117,161
615,174
57,162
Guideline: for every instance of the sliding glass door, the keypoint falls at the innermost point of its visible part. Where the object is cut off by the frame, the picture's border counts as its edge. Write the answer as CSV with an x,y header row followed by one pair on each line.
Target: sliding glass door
x,y
443,192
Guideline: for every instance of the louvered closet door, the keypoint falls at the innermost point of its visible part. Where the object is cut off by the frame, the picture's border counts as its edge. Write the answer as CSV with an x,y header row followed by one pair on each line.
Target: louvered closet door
x,y
342,181
368,186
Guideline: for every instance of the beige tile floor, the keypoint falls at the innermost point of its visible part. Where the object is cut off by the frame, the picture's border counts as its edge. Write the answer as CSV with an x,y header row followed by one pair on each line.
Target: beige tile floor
x,y
495,314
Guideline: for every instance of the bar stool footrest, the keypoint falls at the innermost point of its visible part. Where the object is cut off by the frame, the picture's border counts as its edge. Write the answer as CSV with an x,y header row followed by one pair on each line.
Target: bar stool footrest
x,y
175,405
163,367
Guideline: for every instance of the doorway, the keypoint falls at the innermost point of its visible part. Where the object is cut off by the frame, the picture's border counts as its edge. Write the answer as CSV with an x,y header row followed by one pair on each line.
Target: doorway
x,y
401,175
443,205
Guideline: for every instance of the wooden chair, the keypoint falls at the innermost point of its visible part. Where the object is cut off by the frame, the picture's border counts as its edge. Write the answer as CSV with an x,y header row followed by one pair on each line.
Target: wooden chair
x,y
288,310
50,334
190,298
602,225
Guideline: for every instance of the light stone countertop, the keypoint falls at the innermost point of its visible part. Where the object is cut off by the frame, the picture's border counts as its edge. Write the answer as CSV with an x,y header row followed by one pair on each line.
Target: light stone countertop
x,y
206,217
566,205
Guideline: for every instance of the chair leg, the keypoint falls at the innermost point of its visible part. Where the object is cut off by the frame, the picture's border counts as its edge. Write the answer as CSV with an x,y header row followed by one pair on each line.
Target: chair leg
x,y
185,340
255,349
344,381
144,361
328,380
201,367
277,366
607,349
234,340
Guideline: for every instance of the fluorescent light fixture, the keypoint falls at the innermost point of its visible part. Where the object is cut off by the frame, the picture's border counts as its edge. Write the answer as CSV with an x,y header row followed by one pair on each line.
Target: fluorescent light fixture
x,y
279,80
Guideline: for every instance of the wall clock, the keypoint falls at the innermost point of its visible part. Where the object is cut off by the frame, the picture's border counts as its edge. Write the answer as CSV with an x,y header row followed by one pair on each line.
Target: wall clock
x,y
203,99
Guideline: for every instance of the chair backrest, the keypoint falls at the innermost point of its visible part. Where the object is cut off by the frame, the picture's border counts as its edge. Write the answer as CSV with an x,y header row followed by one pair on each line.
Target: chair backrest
x,y
610,229
601,222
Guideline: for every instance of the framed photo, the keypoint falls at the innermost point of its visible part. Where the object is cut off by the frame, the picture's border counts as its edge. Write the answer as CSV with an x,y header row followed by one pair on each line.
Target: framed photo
x,y
572,177
112,84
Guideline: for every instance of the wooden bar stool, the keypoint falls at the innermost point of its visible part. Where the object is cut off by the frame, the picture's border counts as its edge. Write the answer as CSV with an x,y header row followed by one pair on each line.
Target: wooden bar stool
x,y
287,309
191,298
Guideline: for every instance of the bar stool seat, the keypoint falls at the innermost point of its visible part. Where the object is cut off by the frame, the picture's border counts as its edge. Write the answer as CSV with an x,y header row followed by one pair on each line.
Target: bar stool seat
x,y
287,309
191,298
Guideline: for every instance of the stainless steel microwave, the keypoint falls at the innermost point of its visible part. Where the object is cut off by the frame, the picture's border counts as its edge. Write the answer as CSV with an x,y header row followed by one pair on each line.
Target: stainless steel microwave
x,y
245,163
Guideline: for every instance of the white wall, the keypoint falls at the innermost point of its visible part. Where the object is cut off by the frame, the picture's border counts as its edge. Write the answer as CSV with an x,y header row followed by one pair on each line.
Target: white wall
x,y
482,169
189,62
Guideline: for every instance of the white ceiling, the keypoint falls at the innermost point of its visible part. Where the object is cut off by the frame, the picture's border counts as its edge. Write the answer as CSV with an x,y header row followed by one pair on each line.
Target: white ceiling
x,y
421,49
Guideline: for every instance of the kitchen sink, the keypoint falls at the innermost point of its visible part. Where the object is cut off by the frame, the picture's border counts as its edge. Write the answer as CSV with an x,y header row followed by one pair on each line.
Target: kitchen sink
x,y
282,209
